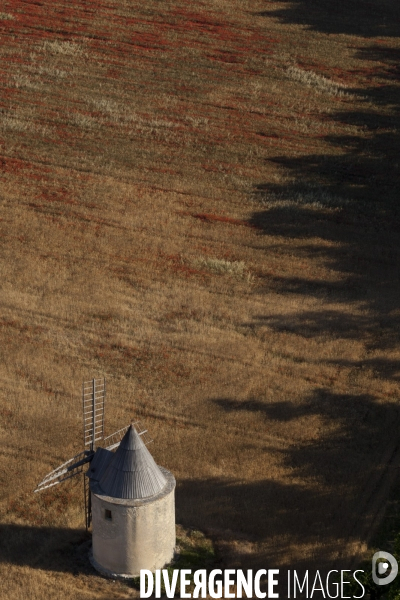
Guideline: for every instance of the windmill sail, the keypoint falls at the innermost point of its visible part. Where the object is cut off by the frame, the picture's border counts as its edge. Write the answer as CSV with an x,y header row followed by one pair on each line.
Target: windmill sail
x,y
96,446
69,469
112,441
93,404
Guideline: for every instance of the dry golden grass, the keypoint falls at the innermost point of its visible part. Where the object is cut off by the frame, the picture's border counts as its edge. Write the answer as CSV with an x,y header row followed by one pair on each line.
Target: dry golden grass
x,y
182,214
220,265
319,82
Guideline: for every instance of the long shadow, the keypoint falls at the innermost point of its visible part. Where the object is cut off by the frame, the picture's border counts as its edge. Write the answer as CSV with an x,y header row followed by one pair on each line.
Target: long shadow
x,y
48,548
328,500
344,208
242,517
354,426
370,18
351,200
377,332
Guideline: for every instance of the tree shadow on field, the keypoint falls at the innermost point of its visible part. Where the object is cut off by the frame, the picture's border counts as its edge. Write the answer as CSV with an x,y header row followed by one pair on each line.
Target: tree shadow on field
x,y
344,210
253,524
354,17
331,499
354,427
377,332
47,548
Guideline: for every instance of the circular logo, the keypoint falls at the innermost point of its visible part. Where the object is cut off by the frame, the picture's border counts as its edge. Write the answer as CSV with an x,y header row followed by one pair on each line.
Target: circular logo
x,y
380,568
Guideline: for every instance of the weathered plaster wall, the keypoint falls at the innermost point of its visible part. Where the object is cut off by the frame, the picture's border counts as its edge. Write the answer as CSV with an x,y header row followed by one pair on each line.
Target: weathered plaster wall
x,y
141,534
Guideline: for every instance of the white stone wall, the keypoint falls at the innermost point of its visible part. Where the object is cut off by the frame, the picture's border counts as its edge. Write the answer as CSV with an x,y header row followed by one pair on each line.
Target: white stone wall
x,y
141,534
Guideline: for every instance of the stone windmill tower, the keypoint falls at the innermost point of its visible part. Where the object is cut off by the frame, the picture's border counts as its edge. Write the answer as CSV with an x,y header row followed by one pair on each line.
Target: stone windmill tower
x,y
129,499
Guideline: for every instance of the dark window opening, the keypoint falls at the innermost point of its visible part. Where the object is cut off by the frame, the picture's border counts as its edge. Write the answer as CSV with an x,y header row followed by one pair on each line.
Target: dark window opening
x,y
108,515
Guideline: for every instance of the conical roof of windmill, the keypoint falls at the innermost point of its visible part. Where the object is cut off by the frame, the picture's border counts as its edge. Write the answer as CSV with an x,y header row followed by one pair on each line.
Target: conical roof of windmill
x,y
132,472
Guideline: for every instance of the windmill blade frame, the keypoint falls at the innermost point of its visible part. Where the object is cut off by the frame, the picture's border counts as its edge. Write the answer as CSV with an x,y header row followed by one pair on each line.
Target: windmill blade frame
x,y
116,437
66,470
93,406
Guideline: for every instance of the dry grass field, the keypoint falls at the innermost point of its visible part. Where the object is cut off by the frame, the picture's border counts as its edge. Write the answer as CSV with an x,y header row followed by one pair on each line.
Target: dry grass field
x,y
199,201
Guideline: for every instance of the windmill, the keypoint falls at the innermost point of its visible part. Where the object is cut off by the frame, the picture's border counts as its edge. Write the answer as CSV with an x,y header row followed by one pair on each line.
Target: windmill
x,y
129,499
93,406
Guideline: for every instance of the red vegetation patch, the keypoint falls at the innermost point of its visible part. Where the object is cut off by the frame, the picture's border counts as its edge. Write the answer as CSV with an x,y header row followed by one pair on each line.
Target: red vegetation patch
x,y
117,354
20,327
177,265
16,165
57,195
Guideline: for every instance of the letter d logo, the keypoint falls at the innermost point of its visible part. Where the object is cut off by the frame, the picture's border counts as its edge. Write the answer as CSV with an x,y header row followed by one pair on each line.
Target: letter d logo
x,y
383,568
